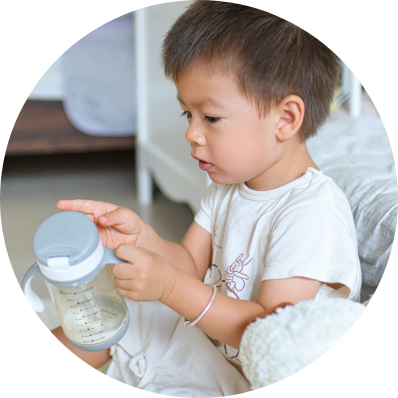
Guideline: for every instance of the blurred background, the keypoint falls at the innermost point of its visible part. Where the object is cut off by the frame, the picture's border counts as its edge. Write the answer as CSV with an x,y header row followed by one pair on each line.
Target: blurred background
x,y
76,138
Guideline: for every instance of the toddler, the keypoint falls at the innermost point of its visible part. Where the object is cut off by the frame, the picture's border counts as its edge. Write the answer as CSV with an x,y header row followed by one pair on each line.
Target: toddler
x,y
271,227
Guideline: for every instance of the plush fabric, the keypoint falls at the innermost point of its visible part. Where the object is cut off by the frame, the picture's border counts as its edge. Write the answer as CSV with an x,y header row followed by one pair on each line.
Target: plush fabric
x,y
291,338
357,155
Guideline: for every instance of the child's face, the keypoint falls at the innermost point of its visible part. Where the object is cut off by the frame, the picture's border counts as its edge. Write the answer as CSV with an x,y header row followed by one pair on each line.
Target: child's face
x,y
227,136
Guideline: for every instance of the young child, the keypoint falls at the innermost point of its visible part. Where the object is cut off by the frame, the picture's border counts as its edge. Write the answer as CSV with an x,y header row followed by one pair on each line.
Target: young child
x,y
271,227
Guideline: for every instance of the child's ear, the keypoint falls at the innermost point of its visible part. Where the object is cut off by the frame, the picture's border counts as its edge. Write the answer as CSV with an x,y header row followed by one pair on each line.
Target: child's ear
x,y
290,111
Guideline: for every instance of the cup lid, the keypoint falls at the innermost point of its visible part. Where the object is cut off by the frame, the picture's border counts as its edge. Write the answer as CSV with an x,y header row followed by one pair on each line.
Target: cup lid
x,y
67,234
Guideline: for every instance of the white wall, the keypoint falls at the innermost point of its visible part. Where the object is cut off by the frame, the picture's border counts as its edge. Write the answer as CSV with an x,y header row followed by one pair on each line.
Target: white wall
x,y
50,86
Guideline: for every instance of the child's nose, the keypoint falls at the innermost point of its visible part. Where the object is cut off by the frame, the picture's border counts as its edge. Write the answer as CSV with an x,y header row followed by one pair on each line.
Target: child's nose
x,y
194,136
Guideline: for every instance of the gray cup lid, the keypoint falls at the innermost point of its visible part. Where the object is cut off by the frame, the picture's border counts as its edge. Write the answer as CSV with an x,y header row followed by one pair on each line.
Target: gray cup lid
x,y
66,234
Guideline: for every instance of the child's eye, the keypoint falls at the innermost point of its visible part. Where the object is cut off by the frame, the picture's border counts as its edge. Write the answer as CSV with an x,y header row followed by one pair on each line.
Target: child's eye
x,y
209,119
212,119
187,114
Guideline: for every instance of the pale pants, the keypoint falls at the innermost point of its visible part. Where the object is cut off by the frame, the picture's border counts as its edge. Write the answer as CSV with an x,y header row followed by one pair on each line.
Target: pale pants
x,y
159,354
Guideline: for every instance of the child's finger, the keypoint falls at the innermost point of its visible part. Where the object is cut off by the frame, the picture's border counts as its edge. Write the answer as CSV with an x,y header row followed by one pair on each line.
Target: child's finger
x,y
119,216
123,270
65,204
124,284
128,252
86,206
68,205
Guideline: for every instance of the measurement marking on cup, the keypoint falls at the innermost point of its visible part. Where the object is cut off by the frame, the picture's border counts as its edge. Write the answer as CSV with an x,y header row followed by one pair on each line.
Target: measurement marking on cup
x,y
74,293
93,340
93,334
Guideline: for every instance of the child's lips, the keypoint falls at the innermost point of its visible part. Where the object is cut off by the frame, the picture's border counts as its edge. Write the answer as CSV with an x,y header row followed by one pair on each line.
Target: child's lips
x,y
205,166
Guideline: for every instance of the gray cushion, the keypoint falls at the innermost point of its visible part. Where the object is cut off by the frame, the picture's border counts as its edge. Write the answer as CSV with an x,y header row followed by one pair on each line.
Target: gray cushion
x,y
357,154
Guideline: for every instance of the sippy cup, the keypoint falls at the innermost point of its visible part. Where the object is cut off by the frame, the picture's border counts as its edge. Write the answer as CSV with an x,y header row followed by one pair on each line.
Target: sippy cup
x,y
77,271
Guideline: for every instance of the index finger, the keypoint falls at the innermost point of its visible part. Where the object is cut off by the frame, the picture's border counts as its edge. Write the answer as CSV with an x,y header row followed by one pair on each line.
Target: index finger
x,y
89,207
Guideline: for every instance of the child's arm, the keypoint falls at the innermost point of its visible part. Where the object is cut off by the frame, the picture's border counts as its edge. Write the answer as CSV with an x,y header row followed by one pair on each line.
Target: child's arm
x,y
227,318
94,359
148,276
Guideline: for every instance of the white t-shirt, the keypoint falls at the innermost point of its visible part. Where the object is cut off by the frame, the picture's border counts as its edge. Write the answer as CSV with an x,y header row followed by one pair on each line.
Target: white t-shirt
x,y
304,228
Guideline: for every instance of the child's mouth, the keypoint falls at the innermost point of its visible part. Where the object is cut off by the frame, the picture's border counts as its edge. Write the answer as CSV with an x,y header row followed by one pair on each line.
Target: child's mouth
x,y
205,166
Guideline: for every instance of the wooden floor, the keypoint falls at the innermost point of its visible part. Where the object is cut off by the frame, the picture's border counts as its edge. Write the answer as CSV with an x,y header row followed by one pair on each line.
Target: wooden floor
x,y
42,127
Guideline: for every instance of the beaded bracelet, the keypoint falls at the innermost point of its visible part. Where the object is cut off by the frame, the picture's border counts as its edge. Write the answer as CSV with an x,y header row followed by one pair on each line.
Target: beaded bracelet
x,y
193,323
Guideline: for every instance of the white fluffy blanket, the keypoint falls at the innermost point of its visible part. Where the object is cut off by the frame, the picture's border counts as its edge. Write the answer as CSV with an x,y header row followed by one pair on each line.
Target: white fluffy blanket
x,y
291,338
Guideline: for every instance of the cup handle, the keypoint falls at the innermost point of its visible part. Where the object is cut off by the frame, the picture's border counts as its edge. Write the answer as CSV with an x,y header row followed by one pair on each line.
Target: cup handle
x,y
32,297
109,257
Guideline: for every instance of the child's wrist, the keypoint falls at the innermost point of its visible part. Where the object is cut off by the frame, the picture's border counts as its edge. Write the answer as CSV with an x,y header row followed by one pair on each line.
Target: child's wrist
x,y
170,279
144,237
149,239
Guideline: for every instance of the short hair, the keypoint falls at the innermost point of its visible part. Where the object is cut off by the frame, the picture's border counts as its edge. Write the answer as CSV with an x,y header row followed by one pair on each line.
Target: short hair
x,y
270,57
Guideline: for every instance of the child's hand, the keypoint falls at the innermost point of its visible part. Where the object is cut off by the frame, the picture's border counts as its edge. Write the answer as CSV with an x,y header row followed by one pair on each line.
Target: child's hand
x,y
116,225
146,276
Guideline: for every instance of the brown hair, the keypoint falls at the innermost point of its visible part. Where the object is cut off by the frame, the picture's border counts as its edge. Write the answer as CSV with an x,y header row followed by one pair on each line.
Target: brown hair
x,y
270,57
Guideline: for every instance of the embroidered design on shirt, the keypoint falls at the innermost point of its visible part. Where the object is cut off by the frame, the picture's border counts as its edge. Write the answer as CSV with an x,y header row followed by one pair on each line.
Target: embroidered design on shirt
x,y
231,355
214,231
214,236
235,282
213,275
235,279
